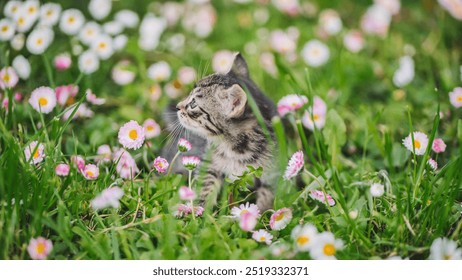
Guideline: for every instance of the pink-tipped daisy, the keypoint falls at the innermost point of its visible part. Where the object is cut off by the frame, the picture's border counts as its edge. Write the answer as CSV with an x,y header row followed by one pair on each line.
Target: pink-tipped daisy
x,y
319,196
65,94
62,61
290,103
90,172
190,162
251,208
420,143
262,236
455,97
160,164
8,78
296,163
186,193
151,128
78,162
62,169
126,165
43,99
131,135
185,209
107,198
280,219
35,150
438,146
433,164
184,145
93,99
247,221
104,154
39,248
304,237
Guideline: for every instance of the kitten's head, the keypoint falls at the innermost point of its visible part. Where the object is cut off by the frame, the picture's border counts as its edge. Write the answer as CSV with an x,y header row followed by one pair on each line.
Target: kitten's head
x,y
214,101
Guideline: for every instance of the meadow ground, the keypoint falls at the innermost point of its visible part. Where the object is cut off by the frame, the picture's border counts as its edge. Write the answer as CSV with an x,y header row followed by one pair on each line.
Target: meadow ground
x,y
370,92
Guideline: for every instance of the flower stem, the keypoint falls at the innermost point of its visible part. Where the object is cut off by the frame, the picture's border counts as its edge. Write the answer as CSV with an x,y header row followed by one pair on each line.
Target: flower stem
x,y
48,70
190,187
172,163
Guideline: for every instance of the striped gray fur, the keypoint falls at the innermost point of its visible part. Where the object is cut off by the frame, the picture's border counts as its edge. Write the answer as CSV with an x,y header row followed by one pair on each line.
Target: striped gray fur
x,y
217,115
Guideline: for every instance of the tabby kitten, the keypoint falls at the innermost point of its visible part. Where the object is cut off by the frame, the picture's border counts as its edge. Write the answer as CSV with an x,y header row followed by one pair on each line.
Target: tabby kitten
x,y
217,110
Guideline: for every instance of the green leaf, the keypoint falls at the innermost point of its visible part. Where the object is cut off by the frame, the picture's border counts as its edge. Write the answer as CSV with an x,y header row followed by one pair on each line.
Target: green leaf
x,y
335,134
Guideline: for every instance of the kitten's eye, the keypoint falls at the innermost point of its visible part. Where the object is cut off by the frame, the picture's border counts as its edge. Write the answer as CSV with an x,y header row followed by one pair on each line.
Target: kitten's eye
x,y
193,104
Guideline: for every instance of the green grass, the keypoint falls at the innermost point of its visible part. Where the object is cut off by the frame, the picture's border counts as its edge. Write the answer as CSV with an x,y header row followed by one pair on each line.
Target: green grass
x,y
360,144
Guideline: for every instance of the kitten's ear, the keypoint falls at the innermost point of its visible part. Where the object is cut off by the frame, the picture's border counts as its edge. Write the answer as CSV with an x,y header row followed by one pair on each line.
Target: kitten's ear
x,y
239,67
237,99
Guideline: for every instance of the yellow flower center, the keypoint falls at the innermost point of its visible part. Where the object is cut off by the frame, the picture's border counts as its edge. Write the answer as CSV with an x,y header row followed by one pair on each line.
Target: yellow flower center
x,y
315,117
459,98
447,257
329,249
102,45
315,52
43,101
89,173
40,248
6,78
223,62
90,32
71,19
244,211
176,84
39,41
279,217
133,134
262,238
21,21
49,13
32,10
302,240
417,144
36,154
5,28
14,9
150,128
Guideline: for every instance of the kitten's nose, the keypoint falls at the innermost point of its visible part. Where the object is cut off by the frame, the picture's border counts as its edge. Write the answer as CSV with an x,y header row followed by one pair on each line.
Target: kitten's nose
x,y
178,107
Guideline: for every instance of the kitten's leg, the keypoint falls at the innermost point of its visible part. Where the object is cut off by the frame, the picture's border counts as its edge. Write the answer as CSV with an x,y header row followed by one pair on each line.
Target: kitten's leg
x,y
211,187
265,197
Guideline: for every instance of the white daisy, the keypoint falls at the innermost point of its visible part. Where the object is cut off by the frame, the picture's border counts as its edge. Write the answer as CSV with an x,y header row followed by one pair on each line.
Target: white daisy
x,y
18,41
315,53
49,14
262,236
405,73
237,212
159,71
71,21
32,9
113,28
377,190
128,18
12,8
445,249
330,21
99,9
325,247
39,40
304,236
420,143
282,43
8,78
222,61
43,99
23,21
102,46
22,67
90,31
119,42
88,62
7,29
280,219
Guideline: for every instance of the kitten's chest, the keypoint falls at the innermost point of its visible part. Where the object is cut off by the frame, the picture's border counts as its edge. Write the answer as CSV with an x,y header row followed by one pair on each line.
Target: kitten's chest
x,y
235,163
